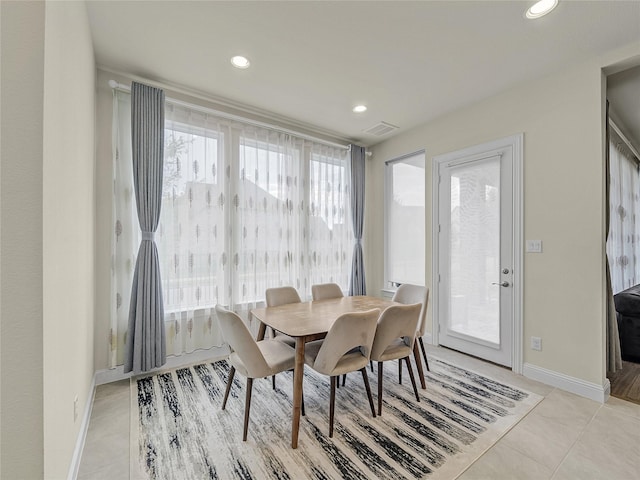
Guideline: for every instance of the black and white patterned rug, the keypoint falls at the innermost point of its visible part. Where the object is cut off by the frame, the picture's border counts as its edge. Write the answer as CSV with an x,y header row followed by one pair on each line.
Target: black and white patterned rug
x,y
180,432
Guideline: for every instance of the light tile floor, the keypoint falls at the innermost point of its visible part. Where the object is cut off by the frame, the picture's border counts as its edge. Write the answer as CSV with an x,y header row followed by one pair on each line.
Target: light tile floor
x,y
564,437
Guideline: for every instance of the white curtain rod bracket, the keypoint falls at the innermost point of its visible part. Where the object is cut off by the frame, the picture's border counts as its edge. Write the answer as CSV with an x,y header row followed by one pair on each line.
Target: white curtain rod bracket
x,y
119,86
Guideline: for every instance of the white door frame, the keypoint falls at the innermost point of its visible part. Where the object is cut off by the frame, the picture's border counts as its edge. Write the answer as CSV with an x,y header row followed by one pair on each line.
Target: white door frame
x,y
515,142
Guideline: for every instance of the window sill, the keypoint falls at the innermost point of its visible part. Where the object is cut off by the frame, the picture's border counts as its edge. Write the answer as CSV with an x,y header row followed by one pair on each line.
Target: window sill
x,y
387,293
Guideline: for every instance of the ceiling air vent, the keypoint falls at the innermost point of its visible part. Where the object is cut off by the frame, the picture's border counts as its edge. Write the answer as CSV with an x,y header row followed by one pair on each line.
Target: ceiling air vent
x,y
380,129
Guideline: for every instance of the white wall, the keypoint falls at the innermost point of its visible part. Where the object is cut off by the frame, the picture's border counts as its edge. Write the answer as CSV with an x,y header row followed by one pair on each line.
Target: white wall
x,y
68,228
21,308
561,117
47,225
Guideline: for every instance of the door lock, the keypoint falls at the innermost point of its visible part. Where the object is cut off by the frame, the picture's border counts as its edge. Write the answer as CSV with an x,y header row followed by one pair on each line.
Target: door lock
x,y
505,270
502,284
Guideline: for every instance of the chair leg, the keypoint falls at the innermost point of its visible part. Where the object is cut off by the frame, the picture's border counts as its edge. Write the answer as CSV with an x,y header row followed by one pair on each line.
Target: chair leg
x,y
247,408
416,357
413,379
424,353
367,387
380,388
273,381
344,379
371,365
400,372
332,403
304,414
232,372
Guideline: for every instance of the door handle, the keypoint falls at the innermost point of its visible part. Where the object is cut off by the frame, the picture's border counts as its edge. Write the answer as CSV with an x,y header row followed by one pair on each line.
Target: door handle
x,y
502,284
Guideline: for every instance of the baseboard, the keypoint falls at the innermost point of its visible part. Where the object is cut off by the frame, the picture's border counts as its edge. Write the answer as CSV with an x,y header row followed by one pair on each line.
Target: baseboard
x,y
607,389
82,434
427,338
593,391
116,374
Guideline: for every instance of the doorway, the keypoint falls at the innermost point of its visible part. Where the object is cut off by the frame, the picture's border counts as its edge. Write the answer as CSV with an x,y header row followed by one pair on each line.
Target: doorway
x,y
477,255
622,92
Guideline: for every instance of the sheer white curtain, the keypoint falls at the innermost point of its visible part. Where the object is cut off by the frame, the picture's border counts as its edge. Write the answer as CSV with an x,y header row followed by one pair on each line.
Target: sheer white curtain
x,y
244,209
623,244
268,215
330,239
289,214
125,229
191,239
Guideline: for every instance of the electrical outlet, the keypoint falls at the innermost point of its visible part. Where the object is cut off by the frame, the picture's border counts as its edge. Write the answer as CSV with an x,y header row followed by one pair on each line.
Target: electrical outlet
x,y
75,408
534,246
536,343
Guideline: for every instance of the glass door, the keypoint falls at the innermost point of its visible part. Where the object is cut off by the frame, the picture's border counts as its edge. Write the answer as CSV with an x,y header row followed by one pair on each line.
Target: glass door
x,y
475,276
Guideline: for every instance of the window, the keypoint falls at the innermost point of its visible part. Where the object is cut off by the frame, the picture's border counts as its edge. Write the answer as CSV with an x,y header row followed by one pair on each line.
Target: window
x,y
266,215
404,220
330,242
244,208
189,233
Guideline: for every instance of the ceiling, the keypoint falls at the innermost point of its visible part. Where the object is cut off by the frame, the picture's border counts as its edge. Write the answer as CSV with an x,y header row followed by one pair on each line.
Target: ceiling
x,y
312,61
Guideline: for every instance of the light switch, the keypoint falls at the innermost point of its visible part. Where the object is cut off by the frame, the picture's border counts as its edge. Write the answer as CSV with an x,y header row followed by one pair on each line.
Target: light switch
x,y
534,246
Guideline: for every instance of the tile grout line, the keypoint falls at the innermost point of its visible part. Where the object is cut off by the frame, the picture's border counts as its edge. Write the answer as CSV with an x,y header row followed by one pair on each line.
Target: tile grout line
x,y
621,411
503,437
593,417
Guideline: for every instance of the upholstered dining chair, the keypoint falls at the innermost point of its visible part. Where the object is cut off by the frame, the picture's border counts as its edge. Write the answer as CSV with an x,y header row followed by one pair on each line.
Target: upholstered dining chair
x,y
408,294
346,348
326,290
250,358
281,296
395,334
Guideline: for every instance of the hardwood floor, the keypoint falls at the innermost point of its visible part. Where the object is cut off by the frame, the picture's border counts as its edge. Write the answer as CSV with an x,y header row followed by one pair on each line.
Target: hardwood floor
x,y
625,383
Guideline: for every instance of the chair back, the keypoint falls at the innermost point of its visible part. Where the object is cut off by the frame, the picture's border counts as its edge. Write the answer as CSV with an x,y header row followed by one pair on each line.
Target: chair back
x,y
408,294
397,321
281,296
349,331
242,343
326,290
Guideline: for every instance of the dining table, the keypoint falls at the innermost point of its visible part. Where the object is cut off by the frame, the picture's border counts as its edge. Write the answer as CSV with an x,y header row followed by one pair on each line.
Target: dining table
x,y
309,321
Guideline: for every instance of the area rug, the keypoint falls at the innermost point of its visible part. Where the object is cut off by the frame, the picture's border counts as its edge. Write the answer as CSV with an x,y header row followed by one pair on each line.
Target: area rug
x,y
180,432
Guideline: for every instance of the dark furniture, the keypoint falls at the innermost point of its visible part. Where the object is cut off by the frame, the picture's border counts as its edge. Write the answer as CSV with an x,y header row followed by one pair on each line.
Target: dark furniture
x,y
628,308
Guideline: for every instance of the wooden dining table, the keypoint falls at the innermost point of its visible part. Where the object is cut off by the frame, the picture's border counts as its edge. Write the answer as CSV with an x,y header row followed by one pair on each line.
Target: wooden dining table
x,y
308,321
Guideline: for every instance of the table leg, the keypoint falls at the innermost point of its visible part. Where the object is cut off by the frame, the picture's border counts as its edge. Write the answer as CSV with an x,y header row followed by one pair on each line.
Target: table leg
x,y
261,331
298,374
416,355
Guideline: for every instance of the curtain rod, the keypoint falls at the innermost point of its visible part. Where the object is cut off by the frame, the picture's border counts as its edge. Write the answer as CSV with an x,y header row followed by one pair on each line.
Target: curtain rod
x,y
229,116
624,139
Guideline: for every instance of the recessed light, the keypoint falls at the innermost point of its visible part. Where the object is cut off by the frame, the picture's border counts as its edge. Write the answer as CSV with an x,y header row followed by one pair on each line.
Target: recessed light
x,y
240,62
541,8
360,108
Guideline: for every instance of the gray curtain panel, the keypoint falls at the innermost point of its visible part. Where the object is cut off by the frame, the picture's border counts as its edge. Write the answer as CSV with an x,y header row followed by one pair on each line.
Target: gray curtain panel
x,y
146,345
614,353
357,285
